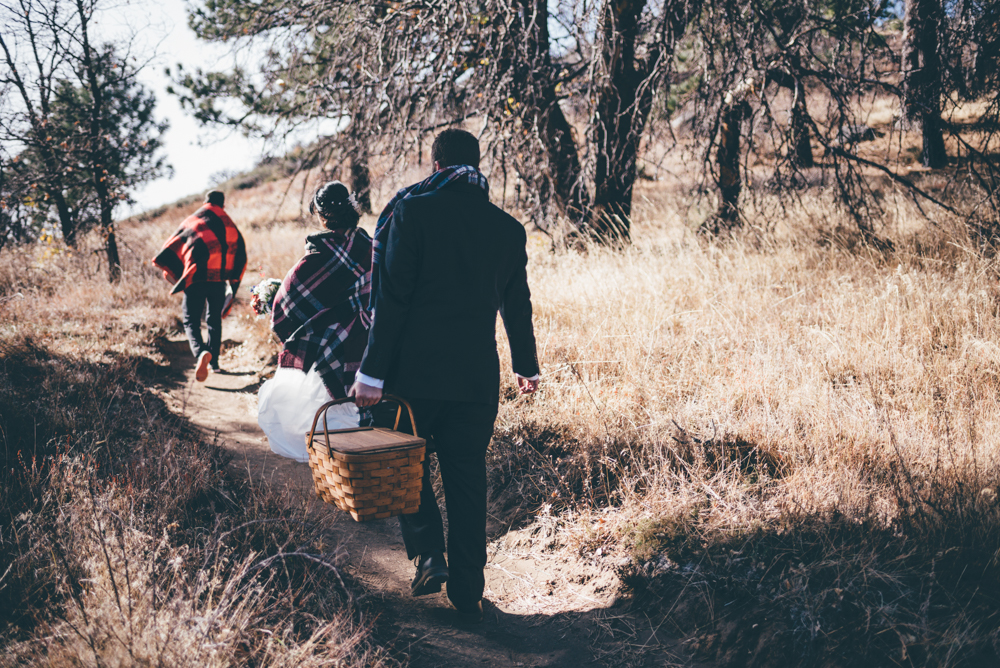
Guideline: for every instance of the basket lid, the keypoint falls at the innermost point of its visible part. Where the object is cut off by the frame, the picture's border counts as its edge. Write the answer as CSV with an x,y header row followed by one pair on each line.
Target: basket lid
x,y
368,440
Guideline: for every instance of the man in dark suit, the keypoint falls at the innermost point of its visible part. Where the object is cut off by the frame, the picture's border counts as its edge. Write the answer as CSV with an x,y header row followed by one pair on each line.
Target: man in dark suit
x,y
452,260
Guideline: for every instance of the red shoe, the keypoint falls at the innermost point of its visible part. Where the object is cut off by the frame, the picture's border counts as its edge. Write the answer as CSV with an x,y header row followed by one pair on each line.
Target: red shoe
x,y
201,371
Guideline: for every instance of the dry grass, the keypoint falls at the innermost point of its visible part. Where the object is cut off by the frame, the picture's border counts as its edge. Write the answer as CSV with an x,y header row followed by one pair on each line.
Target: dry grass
x,y
798,438
785,443
124,540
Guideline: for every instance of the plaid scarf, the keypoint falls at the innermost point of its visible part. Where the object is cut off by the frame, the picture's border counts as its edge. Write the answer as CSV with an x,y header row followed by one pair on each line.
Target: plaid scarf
x,y
320,311
206,248
436,181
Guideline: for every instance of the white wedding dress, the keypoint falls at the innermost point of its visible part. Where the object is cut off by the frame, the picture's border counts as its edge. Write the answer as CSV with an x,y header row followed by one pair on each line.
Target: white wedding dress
x,y
287,405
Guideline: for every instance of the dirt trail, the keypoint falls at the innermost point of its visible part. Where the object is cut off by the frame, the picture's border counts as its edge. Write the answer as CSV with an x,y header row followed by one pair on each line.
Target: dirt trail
x,y
541,609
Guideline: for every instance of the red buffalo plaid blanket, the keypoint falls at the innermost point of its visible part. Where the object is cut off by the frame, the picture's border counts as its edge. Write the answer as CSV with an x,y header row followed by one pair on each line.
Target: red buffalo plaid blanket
x,y
321,310
206,248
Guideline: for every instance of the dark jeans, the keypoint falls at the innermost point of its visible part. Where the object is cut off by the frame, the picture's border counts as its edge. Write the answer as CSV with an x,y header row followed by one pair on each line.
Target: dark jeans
x,y
195,298
460,433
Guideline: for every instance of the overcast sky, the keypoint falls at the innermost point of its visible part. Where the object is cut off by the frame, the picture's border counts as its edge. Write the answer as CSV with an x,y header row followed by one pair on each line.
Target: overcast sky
x,y
196,153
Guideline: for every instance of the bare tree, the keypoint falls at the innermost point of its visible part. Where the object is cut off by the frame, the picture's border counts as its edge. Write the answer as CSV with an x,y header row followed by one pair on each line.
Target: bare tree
x,y
396,73
81,126
563,91
37,27
628,73
759,67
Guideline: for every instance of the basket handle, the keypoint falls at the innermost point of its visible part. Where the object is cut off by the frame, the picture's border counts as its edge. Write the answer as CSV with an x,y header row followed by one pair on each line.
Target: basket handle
x,y
400,404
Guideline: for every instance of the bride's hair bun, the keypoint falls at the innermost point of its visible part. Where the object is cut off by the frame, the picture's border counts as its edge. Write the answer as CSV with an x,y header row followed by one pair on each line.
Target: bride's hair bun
x,y
336,205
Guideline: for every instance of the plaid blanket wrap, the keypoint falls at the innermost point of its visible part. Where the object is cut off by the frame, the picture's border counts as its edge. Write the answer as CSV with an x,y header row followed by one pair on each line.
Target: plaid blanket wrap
x,y
321,309
436,181
206,248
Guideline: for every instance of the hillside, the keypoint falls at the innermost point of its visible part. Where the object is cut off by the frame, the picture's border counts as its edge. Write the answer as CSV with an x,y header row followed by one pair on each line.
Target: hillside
x,y
778,448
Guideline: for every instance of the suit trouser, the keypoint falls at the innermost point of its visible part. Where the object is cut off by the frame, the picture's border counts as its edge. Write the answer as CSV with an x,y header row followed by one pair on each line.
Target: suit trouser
x,y
195,298
459,433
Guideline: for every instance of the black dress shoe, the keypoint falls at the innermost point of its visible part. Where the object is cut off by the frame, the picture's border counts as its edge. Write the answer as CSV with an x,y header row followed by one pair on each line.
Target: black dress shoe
x,y
432,572
469,613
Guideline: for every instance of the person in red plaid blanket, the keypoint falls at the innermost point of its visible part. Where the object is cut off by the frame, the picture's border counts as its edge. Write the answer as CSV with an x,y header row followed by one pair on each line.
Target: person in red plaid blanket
x,y
321,315
205,256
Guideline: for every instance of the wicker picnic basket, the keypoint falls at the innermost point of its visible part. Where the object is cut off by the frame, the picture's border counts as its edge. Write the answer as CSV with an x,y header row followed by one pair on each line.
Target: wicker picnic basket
x,y
370,472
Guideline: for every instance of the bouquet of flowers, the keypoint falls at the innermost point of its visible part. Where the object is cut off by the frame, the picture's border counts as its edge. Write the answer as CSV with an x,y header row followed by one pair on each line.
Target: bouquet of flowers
x,y
263,293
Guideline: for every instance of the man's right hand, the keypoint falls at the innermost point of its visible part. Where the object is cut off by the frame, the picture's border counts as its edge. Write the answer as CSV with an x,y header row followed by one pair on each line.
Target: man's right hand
x,y
364,395
527,385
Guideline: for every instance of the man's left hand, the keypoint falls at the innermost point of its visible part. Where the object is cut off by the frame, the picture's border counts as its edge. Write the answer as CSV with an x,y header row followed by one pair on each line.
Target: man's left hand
x,y
365,395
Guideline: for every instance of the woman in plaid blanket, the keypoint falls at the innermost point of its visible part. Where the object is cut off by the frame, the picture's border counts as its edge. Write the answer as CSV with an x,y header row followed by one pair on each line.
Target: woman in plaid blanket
x,y
321,315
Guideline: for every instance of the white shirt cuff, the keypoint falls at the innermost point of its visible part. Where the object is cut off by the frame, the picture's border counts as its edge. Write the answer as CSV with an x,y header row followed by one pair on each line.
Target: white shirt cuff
x,y
369,381
380,384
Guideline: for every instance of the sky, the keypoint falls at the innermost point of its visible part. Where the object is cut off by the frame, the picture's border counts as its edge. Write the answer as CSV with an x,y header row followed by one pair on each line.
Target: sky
x,y
195,152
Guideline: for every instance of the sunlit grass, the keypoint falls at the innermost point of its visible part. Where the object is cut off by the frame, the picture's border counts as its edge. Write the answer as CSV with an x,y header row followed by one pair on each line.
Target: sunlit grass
x,y
782,425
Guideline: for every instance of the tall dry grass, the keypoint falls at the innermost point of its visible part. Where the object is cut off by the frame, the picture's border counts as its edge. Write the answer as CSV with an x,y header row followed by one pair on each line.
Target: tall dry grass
x,y
787,441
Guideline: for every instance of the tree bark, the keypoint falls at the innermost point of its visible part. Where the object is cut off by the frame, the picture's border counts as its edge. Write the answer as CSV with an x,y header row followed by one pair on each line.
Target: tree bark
x,y
623,106
802,154
105,198
361,181
922,77
728,157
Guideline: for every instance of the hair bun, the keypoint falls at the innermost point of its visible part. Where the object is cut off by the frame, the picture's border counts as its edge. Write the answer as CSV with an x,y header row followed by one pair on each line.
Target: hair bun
x,y
334,192
335,203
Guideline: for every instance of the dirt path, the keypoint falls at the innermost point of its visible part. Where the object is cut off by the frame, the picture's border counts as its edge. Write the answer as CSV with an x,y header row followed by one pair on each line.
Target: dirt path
x,y
541,609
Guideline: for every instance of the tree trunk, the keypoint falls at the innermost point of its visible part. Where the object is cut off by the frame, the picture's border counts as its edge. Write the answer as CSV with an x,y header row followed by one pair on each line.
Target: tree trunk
x,y
530,113
922,77
565,170
563,158
619,118
623,106
361,181
105,198
111,249
728,157
802,154
987,44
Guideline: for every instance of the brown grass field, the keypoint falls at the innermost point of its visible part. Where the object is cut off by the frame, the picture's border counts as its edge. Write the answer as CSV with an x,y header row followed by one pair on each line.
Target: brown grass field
x,y
787,444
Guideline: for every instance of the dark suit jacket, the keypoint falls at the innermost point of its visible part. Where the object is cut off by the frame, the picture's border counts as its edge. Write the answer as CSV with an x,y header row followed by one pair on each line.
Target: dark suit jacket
x,y
453,260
